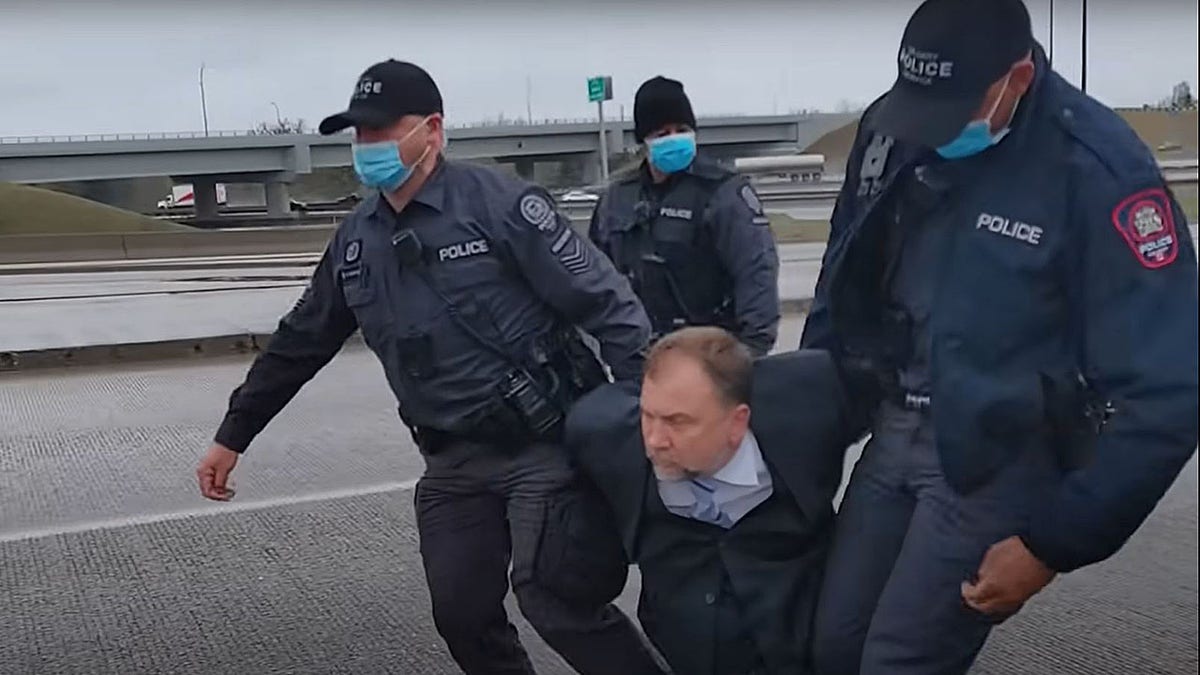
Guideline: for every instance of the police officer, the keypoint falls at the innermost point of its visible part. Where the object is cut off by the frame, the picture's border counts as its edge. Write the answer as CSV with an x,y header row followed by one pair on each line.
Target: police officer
x,y
467,284
689,233
1011,288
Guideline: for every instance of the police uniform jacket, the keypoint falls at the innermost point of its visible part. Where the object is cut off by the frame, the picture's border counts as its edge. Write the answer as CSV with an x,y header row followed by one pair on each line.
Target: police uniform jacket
x,y
495,252
1066,258
707,227
712,598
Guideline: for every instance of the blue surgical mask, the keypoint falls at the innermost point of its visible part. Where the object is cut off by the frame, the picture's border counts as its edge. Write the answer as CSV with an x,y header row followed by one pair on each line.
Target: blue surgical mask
x,y
378,165
977,136
673,153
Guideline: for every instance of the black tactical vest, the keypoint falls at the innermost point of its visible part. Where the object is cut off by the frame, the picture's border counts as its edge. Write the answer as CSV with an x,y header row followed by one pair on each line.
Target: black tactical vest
x,y
735,600
665,247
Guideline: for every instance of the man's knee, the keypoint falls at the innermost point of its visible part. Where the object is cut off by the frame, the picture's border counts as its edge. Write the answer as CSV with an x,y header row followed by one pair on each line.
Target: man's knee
x,y
463,615
571,552
551,615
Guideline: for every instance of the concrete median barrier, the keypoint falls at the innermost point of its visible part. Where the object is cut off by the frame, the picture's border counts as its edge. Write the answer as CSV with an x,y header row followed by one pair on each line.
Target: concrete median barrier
x,y
35,248
16,249
300,239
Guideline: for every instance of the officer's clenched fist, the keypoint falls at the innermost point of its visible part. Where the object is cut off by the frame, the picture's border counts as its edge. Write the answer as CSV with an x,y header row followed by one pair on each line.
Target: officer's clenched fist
x,y
213,472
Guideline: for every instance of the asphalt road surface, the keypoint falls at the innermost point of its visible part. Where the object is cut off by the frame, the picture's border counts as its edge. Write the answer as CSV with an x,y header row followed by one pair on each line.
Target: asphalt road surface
x,y
110,562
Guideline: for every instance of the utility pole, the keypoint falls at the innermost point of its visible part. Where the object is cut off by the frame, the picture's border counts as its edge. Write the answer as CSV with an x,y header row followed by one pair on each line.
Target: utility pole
x,y
528,100
1051,55
1083,62
203,102
599,91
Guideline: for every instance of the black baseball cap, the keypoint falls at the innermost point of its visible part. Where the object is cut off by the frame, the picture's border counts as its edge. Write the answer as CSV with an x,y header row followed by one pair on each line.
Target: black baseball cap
x,y
384,93
951,53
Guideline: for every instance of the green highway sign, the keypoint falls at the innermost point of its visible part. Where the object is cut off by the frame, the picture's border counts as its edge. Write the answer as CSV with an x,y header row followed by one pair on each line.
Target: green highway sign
x,y
599,88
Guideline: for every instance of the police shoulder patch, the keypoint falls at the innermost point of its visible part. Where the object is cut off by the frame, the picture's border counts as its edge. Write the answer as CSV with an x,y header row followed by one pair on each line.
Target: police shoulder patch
x,y
751,199
353,251
1147,223
536,209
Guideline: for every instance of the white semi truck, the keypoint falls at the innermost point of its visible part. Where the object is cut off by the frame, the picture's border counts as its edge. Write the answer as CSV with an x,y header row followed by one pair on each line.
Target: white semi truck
x,y
183,195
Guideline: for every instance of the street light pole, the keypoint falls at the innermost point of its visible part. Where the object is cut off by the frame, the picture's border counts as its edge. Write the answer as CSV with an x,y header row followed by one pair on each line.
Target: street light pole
x,y
278,117
1083,62
203,102
1050,58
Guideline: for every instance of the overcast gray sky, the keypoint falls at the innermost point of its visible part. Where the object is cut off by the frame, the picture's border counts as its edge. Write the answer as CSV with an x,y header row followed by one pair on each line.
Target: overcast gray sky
x,y
105,66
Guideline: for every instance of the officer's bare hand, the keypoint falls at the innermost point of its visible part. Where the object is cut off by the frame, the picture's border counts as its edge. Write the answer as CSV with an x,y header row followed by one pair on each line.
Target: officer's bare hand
x,y
1008,577
213,472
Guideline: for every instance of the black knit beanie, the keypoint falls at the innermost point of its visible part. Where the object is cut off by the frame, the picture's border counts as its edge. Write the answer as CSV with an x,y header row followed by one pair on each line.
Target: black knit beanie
x,y
660,101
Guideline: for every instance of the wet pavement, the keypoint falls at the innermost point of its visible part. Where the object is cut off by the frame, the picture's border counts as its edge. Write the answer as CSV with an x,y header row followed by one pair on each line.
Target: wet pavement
x,y
66,310
110,561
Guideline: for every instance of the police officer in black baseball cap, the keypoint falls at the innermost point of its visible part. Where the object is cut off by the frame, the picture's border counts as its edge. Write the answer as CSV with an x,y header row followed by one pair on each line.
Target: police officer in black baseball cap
x,y
469,286
1001,224
963,66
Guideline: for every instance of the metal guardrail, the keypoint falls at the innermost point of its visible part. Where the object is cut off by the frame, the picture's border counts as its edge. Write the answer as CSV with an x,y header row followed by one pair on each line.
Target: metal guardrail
x,y
479,124
144,136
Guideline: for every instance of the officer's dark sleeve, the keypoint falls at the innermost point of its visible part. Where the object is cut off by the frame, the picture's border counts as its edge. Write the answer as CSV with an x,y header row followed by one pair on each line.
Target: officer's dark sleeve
x,y
746,247
567,271
1139,342
818,328
306,338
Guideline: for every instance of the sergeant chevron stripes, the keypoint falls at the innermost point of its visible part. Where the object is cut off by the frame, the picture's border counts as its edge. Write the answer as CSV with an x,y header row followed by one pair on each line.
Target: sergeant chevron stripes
x,y
571,252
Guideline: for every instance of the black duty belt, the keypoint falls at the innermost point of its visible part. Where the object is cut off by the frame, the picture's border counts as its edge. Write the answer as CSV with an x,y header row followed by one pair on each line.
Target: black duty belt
x,y
432,441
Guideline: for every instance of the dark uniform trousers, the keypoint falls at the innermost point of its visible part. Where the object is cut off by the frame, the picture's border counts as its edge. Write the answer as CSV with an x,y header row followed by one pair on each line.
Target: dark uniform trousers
x,y
480,508
905,541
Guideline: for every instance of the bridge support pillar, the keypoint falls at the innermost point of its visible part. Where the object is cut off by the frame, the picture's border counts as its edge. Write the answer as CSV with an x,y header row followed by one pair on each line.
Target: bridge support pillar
x,y
204,190
590,168
525,168
279,199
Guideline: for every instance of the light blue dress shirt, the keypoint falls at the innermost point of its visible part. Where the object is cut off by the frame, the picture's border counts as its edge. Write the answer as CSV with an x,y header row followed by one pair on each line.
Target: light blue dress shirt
x,y
727,495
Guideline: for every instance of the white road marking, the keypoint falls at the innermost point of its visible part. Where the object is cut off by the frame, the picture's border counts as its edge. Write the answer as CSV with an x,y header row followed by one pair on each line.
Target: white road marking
x,y
212,509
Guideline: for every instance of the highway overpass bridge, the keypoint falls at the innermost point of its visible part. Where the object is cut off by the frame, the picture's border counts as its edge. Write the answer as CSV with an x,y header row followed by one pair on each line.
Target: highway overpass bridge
x,y
274,160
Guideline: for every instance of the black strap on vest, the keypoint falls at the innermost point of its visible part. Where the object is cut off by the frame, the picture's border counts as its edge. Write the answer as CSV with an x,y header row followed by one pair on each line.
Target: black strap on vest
x,y
538,403
651,274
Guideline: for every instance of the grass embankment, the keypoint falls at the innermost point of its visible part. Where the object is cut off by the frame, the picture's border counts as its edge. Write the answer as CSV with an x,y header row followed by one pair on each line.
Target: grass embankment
x,y
789,230
31,210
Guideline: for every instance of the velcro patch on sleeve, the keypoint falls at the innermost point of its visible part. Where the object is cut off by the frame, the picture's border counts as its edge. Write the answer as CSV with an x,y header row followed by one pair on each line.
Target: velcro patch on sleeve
x,y
752,200
1147,223
538,210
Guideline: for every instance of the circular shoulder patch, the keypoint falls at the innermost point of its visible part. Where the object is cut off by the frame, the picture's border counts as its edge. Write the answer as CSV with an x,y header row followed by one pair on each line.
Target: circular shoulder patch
x,y
1147,223
353,251
537,211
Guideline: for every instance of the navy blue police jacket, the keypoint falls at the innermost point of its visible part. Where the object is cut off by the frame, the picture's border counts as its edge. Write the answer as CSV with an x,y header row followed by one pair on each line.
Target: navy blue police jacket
x,y
1068,259
494,249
